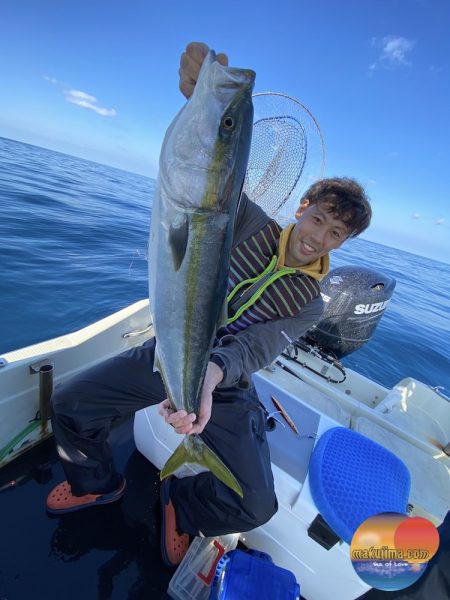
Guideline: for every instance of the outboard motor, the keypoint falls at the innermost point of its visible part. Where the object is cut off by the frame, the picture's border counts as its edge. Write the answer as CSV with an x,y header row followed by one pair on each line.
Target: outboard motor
x,y
355,300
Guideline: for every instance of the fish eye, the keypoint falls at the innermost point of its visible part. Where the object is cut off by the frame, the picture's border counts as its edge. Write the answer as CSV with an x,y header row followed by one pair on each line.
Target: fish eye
x,y
228,122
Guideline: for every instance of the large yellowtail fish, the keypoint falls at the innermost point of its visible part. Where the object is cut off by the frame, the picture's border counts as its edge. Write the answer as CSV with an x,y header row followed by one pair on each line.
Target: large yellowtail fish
x,y
202,168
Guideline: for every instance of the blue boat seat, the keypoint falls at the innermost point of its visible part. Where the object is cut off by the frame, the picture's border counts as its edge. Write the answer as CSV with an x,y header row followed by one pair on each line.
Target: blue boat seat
x,y
353,478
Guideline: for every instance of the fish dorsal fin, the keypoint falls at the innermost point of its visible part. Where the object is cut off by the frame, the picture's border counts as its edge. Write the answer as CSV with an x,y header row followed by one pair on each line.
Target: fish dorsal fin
x,y
178,239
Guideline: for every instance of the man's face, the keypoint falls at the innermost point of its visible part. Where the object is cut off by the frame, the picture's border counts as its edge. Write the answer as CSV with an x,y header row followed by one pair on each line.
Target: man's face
x,y
314,235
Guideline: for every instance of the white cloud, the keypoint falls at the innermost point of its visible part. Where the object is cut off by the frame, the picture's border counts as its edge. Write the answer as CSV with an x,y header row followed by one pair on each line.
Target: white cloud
x,y
435,69
50,79
87,101
440,221
394,52
396,49
416,216
82,99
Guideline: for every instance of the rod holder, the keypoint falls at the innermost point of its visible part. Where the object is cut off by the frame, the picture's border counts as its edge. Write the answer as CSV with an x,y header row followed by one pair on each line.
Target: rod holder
x,y
45,390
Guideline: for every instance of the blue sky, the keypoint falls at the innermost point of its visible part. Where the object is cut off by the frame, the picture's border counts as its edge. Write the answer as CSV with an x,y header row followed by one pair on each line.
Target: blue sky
x,y
99,80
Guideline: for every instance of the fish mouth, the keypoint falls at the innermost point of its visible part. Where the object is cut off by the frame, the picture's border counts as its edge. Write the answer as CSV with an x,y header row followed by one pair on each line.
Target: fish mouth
x,y
236,77
232,79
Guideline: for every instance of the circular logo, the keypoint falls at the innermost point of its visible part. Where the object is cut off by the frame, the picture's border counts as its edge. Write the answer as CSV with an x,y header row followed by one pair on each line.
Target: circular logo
x,y
390,551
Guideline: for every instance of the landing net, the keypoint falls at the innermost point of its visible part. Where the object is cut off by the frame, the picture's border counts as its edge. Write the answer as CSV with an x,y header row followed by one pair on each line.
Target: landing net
x,y
286,156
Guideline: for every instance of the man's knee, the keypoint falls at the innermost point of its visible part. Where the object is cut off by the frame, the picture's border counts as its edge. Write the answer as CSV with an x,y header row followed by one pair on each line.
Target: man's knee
x,y
60,402
260,507
69,404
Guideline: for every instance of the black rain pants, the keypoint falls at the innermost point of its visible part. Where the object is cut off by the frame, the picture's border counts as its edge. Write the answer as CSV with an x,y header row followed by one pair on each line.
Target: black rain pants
x,y
84,407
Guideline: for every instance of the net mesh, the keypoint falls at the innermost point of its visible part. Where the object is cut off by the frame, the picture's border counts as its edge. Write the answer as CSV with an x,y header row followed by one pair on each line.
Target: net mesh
x,y
287,154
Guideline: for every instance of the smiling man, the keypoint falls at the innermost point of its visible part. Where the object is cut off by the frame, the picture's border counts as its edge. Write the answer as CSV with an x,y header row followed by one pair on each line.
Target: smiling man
x,y
273,286
323,226
273,296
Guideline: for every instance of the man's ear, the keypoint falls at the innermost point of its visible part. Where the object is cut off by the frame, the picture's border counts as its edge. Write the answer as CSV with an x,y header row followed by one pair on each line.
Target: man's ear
x,y
303,206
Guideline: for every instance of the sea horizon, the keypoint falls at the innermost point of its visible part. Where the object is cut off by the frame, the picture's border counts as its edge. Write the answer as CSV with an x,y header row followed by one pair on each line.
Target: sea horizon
x,y
153,179
73,238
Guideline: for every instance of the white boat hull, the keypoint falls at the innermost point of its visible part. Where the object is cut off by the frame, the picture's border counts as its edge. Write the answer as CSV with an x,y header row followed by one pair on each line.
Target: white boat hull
x,y
19,383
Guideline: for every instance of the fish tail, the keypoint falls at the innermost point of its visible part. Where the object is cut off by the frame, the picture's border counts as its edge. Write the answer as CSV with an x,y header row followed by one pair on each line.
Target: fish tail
x,y
194,450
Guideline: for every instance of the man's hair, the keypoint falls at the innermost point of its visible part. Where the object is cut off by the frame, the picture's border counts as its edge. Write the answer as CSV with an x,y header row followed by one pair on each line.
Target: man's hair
x,y
345,199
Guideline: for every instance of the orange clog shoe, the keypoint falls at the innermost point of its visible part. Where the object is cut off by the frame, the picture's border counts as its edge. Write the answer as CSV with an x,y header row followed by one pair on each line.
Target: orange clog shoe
x,y
173,544
61,500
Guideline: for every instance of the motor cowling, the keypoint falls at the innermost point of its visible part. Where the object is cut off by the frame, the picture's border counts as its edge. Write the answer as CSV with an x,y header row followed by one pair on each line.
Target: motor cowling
x,y
355,300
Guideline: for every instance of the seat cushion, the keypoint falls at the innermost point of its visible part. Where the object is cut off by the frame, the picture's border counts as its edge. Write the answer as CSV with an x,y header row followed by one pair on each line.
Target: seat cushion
x,y
353,478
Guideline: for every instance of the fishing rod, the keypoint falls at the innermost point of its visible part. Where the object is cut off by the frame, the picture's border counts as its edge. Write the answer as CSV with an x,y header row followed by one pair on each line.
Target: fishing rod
x,y
292,353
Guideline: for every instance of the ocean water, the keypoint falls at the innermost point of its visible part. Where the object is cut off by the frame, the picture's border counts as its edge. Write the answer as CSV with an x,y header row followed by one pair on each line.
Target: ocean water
x,y
73,241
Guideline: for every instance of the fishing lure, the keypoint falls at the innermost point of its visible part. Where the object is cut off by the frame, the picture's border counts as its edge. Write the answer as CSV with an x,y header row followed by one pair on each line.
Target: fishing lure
x,y
284,414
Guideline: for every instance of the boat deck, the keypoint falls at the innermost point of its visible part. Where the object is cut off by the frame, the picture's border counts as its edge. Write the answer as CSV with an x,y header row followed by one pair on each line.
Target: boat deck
x,y
107,553
110,553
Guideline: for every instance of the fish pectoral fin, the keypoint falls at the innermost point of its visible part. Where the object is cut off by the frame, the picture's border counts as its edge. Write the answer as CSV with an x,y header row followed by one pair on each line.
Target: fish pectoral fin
x,y
223,317
157,366
178,240
157,363
196,451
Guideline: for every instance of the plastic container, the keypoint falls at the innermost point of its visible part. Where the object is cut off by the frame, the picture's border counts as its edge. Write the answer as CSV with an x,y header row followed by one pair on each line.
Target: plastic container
x,y
248,575
194,575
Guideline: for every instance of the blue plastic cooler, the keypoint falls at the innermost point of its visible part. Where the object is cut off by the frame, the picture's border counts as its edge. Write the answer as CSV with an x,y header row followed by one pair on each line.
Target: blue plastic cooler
x,y
248,575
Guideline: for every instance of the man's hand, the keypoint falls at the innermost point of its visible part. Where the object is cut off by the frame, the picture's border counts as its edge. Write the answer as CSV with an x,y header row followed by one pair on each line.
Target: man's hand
x,y
190,64
180,419
184,422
